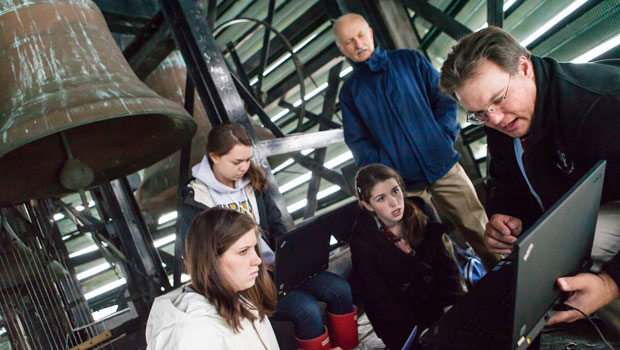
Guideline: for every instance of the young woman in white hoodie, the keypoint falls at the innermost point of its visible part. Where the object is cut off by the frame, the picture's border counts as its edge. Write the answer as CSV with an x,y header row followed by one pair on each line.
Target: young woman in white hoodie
x,y
226,304
227,177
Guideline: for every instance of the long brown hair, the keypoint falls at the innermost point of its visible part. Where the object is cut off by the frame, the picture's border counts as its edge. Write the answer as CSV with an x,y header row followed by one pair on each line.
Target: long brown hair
x,y
210,234
223,137
414,220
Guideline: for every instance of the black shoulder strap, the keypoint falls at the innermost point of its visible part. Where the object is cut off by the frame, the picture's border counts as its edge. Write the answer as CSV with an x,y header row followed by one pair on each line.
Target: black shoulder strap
x,y
262,211
188,198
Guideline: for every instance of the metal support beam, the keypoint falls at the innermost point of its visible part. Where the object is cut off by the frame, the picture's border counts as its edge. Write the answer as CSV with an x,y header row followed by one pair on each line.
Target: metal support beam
x,y
334,9
255,107
397,24
284,143
241,73
329,104
167,258
124,24
299,142
512,8
98,232
565,22
212,14
147,276
495,13
295,33
298,65
611,54
126,17
238,12
150,47
439,19
314,185
184,159
239,40
86,258
327,123
225,5
264,51
317,168
326,202
204,60
213,80
295,143
453,8
291,80
154,42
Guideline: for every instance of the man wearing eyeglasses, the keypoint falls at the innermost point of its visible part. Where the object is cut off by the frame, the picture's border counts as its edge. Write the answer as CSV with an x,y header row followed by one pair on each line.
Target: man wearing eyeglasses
x,y
394,114
547,123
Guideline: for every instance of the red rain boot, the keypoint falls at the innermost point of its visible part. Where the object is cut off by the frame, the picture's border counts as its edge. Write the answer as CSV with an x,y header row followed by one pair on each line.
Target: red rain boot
x,y
319,343
343,329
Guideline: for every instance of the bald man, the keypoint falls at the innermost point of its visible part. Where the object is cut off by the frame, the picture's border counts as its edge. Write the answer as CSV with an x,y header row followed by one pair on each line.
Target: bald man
x,y
394,114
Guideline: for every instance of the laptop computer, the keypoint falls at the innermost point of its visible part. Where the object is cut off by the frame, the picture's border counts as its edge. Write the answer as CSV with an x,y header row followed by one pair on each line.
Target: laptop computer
x,y
339,221
301,254
508,307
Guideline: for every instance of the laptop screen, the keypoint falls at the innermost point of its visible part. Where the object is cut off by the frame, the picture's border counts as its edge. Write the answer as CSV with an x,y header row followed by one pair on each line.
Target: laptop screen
x,y
301,254
522,288
558,244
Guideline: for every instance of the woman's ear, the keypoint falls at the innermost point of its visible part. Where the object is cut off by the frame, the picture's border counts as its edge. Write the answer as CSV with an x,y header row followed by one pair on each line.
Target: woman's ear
x,y
213,157
367,206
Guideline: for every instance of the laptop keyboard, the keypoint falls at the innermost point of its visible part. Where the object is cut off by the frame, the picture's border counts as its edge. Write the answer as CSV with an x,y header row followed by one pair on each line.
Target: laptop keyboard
x,y
489,321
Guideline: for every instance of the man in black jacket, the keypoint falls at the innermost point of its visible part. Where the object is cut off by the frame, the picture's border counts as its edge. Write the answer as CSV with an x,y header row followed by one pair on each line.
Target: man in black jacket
x,y
547,124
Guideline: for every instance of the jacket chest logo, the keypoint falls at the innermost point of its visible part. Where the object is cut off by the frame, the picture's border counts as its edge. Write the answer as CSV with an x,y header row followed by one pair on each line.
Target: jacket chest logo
x,y
564,163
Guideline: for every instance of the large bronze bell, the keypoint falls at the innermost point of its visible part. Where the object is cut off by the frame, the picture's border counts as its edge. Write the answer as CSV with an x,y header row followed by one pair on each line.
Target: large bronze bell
x,y
158,191
70,105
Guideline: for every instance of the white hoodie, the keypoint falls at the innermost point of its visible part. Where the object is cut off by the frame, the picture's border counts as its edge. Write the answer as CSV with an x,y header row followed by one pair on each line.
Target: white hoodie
x,y
185,320
211,192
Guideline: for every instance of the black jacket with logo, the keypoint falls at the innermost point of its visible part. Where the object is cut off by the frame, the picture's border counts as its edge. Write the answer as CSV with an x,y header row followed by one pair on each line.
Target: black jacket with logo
x,y
576,123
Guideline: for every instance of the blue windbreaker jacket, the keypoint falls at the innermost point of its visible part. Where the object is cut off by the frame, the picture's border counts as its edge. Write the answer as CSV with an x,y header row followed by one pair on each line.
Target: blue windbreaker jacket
x,y
394,114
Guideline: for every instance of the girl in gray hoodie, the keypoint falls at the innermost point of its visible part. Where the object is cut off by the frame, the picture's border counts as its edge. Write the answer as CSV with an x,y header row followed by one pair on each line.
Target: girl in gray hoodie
x,y
227,177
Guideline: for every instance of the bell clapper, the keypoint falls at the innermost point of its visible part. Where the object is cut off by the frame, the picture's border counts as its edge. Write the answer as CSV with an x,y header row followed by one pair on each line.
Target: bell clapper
x,y
75,174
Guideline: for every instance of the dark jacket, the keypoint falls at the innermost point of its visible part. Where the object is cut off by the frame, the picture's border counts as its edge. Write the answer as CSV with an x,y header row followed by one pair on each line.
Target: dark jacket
x,y
576,122
270,215
399,290
394,114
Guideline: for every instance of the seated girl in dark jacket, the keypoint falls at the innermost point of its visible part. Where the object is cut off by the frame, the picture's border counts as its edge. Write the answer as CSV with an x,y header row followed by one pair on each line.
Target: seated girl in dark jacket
x,y
402,269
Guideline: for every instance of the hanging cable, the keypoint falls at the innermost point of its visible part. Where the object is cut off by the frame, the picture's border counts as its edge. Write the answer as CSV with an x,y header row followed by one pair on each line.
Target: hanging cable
x,y
566,307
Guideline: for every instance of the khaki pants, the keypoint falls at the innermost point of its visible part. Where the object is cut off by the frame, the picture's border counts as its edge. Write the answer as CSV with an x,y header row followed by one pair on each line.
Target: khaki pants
x,y
606,245
607,235
455,197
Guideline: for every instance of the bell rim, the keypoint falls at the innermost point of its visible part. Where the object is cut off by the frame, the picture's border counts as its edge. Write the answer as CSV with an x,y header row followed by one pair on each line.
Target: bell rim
x,y
173,111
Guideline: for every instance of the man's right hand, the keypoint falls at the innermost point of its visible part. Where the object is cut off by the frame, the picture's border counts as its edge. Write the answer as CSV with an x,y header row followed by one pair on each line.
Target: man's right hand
x,y
501,232
587,292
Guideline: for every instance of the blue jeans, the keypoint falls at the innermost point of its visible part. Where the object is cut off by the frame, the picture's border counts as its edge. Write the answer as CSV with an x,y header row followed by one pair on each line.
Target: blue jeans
x,y
301,307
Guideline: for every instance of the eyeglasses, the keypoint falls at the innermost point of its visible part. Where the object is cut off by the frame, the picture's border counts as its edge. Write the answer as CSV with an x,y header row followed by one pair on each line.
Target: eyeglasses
x,y
481,117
